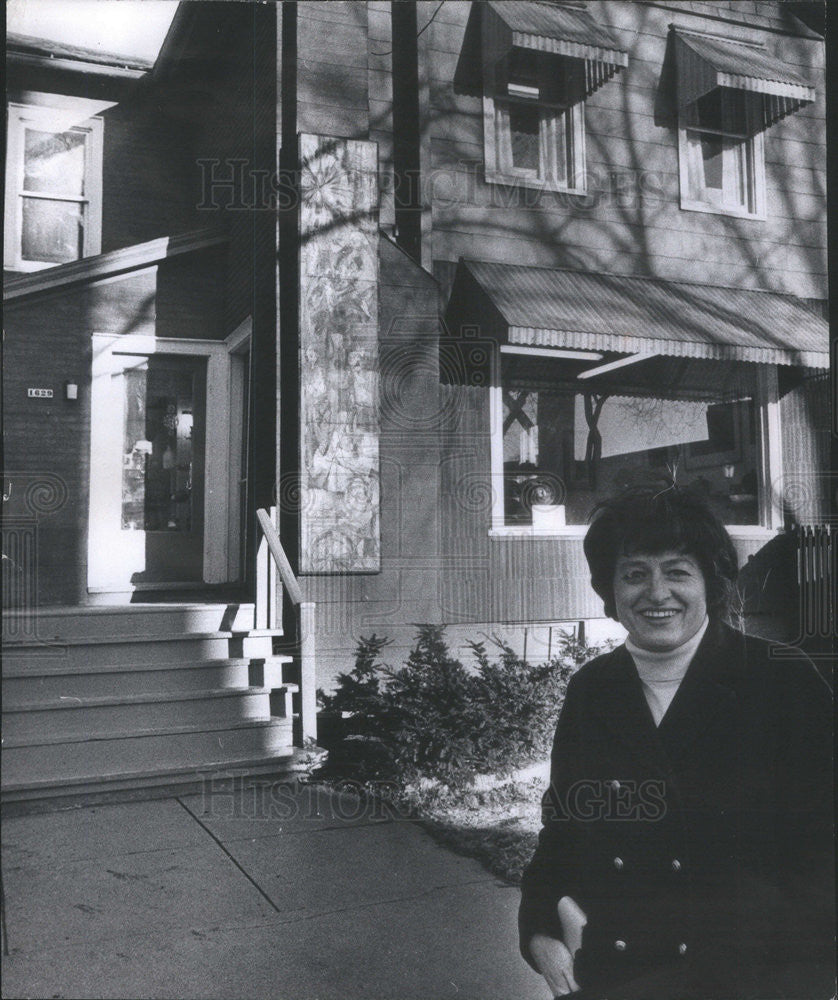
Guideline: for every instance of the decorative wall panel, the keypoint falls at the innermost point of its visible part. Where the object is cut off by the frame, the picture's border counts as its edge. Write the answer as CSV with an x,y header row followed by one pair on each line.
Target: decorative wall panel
x,y
339,426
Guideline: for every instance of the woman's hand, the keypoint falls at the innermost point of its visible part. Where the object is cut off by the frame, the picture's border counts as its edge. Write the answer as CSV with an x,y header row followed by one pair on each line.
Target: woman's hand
x,y
555,963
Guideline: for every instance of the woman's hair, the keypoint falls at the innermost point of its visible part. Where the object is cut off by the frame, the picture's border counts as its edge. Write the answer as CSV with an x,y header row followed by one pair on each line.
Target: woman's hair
x,y
651,520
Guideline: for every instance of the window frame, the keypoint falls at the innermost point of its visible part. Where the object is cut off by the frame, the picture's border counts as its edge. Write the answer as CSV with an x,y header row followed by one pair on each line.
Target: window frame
x,y
50,119
497,145
769,461
754,149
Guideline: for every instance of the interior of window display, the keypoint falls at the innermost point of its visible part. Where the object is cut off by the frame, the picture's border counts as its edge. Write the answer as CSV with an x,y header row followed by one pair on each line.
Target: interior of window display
x,y
569,443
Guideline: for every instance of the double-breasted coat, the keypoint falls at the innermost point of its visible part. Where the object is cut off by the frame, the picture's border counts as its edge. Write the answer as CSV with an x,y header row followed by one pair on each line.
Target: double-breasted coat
x,y
700,850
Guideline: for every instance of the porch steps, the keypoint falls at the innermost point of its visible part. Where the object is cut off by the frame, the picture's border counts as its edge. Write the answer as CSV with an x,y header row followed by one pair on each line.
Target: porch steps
x,y
140,696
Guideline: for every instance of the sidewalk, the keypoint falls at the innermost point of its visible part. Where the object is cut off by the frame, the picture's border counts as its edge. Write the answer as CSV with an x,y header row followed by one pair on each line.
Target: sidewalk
x,y
273,892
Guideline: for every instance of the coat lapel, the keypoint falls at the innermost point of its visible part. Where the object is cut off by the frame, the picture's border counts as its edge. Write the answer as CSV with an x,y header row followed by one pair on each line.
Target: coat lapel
x,y
706,699
622,706
704,702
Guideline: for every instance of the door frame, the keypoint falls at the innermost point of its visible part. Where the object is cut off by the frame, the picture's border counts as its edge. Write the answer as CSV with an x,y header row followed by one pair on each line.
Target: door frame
x,y
224,379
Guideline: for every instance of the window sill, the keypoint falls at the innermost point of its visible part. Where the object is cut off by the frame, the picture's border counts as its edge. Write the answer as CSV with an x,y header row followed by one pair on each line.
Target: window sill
x,y
751,531
526,531
708,209
534,183
743,531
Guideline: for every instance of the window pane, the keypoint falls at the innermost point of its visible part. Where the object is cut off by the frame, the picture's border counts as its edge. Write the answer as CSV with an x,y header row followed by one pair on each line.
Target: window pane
x,y
524,129
563,455
158,459
712,150
53,231
719,171
53,162
721,110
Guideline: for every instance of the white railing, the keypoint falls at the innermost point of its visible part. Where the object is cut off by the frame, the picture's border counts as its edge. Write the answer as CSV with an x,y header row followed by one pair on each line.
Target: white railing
x,y
273,575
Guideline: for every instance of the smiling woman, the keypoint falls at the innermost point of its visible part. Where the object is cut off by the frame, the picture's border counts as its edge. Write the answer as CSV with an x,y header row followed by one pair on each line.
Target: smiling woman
x,y
725,889
660,599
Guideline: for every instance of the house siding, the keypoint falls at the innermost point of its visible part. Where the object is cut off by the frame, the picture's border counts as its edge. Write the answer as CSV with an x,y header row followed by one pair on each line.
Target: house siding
x,y
630,222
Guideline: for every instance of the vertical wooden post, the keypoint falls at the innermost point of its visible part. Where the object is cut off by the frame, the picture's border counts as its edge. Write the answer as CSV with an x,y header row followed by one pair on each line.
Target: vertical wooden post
x,y
262,570
274,607
308,683
770,443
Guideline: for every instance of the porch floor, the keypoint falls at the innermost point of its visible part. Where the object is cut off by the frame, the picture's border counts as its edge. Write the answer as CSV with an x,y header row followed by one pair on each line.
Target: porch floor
x,y
255,890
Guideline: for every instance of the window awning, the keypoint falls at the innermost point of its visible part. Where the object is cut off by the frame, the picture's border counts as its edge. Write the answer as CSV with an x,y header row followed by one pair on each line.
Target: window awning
x,y
705,63
608,312
555,29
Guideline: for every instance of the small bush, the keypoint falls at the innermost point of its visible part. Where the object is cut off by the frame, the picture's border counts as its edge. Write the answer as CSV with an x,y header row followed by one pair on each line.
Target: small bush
x,y
435,718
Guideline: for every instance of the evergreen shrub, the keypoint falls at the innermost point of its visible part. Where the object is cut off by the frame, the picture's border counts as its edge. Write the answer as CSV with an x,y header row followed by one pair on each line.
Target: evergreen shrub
x,y
436,718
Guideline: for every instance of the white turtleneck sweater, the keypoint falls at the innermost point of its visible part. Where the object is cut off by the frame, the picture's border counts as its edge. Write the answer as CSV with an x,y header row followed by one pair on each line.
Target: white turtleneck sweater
x,y
661,673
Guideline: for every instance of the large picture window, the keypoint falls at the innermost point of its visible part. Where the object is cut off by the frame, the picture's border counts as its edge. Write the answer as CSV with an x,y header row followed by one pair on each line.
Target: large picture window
x,y
562,444
53,188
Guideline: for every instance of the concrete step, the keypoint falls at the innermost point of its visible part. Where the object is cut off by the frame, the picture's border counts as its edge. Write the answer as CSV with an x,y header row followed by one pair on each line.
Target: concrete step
x,y
134,650
41,679
60,624
102,718
27,686
162,783
36,768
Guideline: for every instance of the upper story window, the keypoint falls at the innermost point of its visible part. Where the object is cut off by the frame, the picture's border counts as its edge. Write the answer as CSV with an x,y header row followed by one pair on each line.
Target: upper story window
x,y
723,159
729,93
540,62
539,130
53,188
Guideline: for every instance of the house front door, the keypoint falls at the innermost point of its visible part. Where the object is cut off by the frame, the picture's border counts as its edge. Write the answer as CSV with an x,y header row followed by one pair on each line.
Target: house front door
x,y
160,461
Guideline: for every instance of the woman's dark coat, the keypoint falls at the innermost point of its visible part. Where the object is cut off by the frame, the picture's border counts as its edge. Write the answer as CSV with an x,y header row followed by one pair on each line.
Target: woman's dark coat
x,y
701,850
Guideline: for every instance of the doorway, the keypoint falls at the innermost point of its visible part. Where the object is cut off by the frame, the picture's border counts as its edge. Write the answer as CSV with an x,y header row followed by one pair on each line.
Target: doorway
x,y
162,461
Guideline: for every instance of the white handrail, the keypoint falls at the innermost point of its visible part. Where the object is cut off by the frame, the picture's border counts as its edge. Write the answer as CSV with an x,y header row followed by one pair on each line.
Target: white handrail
x,y
305,615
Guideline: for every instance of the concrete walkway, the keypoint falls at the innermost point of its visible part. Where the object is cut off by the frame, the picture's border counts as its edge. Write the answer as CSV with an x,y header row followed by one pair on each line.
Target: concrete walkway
x,y
269,892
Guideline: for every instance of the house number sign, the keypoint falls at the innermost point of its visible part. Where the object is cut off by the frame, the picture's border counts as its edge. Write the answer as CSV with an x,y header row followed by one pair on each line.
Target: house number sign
x,y
39,393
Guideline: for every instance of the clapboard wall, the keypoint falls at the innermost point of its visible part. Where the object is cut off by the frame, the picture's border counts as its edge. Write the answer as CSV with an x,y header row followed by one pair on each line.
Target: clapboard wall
x,y
631,222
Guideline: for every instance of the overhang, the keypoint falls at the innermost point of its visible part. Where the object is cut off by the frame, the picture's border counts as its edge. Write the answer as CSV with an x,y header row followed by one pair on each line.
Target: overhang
x,y
560,30
706,62
560,308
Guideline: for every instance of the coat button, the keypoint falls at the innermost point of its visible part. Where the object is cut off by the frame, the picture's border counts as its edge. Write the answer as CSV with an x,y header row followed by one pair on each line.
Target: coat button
x,y
682,949
614,785
620,945
676,865
618,864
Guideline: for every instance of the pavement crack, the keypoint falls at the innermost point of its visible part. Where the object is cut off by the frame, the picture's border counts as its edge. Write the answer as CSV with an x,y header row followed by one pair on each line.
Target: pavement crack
x,y
244,872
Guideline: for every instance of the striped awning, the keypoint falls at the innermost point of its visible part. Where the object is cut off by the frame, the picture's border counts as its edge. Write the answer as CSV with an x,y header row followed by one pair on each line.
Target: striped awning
x,y
608,312
555,29
705,63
